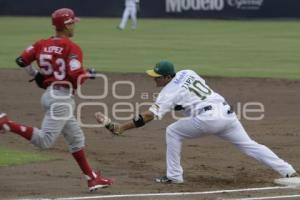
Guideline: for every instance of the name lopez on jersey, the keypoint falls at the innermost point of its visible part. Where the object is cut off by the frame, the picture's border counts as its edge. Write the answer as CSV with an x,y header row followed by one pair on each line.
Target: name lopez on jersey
x,y
53,49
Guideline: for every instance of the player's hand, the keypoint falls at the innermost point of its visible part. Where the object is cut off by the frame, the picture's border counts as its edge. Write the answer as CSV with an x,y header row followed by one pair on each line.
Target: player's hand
x,y
91,73
113,127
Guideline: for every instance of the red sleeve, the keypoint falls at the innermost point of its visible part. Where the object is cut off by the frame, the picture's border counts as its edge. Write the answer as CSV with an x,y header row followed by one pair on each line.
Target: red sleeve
x,y
75,66
29,54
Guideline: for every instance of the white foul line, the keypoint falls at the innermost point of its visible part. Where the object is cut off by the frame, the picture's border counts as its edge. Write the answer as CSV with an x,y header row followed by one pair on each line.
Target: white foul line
x,y
167,194
272,197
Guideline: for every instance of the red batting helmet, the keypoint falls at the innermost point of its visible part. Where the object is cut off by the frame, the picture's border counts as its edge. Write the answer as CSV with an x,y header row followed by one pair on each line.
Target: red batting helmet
x,y
63,16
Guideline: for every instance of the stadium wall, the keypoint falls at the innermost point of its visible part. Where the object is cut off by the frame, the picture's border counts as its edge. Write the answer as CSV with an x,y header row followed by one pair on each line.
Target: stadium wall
x,y
227,9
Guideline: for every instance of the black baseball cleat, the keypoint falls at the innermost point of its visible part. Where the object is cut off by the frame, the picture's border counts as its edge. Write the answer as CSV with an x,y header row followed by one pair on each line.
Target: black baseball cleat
x,y
166,180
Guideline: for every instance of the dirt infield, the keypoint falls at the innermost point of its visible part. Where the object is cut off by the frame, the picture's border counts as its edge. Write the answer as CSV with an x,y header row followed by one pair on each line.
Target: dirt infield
x,y
137,157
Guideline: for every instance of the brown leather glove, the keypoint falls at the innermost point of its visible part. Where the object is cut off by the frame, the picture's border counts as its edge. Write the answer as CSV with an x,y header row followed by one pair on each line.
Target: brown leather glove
x,y
113,127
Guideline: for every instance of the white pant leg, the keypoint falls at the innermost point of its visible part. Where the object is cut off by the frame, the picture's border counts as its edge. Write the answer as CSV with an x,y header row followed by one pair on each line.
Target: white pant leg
x,y
226,127
174,143
237,135
133,17
175,133
125,17
49,132
56,115
74,135
209,122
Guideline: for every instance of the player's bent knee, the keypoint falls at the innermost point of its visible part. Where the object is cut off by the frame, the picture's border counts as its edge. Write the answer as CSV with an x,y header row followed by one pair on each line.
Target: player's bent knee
x,y
169,131
76,147
77,144
46,142
44,145
170,128
43,140
171,134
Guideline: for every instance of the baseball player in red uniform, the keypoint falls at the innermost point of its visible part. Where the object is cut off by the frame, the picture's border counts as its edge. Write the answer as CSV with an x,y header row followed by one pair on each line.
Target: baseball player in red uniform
x,y
61,71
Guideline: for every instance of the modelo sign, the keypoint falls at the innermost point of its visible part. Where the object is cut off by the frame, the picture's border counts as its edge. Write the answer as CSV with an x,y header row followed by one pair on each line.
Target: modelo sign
x,y
178,6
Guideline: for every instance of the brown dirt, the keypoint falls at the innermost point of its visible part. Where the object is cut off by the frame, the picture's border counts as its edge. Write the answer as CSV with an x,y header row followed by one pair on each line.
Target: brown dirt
x,y
137,157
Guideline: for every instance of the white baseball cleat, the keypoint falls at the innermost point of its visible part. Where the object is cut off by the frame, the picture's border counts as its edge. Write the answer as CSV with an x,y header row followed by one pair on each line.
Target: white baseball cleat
x,y
3,123
292,180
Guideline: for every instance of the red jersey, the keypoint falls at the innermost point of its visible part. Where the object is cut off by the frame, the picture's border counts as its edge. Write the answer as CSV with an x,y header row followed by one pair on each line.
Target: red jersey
x,y
59,59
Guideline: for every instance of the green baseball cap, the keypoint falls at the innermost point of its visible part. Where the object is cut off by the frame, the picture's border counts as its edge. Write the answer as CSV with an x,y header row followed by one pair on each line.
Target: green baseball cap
x,y
163,68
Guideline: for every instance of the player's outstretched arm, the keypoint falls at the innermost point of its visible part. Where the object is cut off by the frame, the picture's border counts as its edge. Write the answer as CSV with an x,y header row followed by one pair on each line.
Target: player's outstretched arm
x,y
117,128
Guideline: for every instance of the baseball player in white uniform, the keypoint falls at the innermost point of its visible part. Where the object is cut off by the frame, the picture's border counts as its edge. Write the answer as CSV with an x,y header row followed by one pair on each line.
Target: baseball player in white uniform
x,y
130,10
207,113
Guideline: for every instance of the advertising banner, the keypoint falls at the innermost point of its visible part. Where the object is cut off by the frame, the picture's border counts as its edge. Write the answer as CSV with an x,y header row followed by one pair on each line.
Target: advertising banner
x,y
224,9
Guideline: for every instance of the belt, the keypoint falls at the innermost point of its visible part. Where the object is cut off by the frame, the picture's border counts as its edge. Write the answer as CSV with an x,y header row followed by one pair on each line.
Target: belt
x,y
204,109
208,108
60,86
231,110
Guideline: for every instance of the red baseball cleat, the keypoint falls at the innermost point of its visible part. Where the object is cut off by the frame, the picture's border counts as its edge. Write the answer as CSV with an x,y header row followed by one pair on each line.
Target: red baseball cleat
x,y
3,120
99,182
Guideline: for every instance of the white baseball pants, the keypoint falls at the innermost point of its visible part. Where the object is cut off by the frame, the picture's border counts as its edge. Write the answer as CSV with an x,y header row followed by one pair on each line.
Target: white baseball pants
x,y
226,126
59,119
129,11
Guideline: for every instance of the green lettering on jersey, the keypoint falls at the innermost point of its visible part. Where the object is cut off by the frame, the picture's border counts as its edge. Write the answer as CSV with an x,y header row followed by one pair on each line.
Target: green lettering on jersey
x,y
200,89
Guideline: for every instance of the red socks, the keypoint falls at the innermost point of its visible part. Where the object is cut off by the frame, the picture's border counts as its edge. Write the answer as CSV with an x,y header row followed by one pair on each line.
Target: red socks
x,y
83,164
24,131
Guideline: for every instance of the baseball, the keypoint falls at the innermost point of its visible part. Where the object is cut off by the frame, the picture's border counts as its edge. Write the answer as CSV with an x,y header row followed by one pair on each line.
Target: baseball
x,y
102,119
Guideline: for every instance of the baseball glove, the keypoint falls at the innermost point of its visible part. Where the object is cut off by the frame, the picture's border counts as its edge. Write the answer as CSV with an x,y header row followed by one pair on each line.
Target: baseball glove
x,y
39,80
92,73
113,127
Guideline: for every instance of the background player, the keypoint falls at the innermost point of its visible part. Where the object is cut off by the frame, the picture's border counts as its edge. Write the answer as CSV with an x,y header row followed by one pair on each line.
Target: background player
x,y
207,113
131,7
60,61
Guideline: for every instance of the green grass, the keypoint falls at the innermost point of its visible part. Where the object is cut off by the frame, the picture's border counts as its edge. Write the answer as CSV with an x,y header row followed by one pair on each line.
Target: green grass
x,y
211,47
11,157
